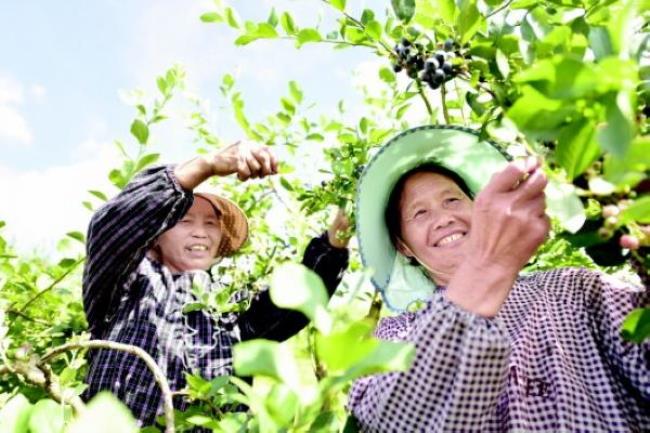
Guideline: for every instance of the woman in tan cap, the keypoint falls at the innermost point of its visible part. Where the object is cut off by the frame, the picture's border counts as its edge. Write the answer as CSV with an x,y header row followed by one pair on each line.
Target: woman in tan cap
x,y
146,249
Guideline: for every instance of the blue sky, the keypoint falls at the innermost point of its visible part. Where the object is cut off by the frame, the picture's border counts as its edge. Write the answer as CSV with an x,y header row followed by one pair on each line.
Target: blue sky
x,y
64,64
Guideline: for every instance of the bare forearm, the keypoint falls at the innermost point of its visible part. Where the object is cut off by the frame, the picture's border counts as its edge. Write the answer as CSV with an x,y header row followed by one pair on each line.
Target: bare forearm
x,y
192,173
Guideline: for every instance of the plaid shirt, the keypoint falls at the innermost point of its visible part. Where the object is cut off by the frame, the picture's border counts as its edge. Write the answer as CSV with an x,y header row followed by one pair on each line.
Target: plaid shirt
x,y
551,361
131,299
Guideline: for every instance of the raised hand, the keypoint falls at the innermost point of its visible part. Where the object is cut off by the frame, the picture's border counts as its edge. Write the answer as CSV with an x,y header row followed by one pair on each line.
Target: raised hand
x,y
247,160
337,233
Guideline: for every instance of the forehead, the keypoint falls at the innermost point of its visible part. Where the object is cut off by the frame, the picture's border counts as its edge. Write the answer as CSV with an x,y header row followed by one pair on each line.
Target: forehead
x,y
426,185
203,207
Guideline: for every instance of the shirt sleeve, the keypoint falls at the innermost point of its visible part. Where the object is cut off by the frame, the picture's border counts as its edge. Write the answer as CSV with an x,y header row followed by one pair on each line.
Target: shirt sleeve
x,y
121,232
265,320
459,371
609,301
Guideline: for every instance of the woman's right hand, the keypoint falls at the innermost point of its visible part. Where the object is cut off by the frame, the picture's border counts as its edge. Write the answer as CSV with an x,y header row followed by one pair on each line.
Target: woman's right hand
x,y
508,225
248,161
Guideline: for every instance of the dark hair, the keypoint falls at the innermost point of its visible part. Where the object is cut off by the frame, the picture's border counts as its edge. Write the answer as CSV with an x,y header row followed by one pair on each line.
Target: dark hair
x,y
392,213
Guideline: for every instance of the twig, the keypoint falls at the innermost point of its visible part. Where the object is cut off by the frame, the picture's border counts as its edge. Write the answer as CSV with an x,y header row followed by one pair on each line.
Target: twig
x,y
41,376
26,317
424,98
331,41
51,286
443,97
499,9
160,378
462,112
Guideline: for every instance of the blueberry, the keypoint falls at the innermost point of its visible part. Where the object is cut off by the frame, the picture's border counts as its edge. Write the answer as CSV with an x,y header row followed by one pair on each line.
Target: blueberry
x,y
406,42
447,68
397,68
434,85
438,76
431,64
441,56
449,45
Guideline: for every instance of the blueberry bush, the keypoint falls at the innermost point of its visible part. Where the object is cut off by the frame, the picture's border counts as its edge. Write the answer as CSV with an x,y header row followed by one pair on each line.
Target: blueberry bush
x,y
565,80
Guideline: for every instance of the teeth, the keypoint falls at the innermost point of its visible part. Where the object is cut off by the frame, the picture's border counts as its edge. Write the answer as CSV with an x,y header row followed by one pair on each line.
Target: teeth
x,y
198,248
450,238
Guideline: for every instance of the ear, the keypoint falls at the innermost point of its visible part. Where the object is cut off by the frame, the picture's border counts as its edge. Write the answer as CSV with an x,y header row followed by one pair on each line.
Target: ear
x,y
404,249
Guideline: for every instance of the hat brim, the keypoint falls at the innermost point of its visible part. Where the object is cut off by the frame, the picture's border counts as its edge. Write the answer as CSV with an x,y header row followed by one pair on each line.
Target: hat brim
x,y
234,223
456,148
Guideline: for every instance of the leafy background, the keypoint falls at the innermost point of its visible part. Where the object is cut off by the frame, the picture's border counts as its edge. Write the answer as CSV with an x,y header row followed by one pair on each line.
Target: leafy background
x,y
565,80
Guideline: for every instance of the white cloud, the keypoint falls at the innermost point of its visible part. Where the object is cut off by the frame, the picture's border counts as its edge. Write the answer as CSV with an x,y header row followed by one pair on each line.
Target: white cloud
x,y
37,91
46,204
13,125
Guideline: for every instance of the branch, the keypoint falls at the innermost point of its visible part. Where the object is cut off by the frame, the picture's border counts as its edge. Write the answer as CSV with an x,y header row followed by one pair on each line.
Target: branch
x,y
41,376
26,317
160,378
424,98
499,9
51,286
443,96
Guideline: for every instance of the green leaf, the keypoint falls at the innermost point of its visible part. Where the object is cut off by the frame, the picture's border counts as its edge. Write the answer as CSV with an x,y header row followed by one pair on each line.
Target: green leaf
x,y
286,21
636,326
272,20
537,115
78,236
140,131
308,35
638,211
211,17
100,195
47,416
146,160
14,416
469,20
373,29
267,358
282,404
338,4
577,147
502,64
387,75
104,414
563,203
231,18
617,134
446,9
404,9
257,31
298,288
295,92
631,169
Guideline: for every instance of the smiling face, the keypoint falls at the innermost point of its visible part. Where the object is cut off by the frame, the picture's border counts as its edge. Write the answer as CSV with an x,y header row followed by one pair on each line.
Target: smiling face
x,y
194,241
435,219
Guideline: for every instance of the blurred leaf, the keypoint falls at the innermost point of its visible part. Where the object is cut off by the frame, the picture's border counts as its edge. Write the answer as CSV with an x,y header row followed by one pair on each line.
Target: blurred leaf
x,y
211,17
298,288
404,9
286,21
140,131
100,195
563,203
77,236
267,358
502,64
296,93
636,327
338,4
272,20
469,20
577,147
537,115
104,414
308,35
638,210
615,137
47,416
373,29
14,416
387,75
146,160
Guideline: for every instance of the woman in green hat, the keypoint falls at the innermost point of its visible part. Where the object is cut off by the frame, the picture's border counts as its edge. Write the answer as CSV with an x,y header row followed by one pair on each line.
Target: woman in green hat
x,y
446,221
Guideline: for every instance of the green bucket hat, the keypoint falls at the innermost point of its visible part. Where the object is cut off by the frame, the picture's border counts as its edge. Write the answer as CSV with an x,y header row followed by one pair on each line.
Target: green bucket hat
x,y
456,148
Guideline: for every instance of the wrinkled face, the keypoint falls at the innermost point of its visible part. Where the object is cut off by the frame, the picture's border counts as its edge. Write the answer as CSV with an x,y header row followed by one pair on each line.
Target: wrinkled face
x,y
435,219
194,241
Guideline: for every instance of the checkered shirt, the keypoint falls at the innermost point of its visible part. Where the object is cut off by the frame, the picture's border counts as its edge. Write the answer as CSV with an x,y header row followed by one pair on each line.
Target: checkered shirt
x,y
552,360
131,299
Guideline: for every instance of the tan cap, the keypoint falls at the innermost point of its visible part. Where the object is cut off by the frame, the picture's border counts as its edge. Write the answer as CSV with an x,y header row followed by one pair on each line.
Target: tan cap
x,y
235,223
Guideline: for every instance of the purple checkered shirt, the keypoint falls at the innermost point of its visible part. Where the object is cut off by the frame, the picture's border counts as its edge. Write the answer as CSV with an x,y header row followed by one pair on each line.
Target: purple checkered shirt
x,y
552,360
131,299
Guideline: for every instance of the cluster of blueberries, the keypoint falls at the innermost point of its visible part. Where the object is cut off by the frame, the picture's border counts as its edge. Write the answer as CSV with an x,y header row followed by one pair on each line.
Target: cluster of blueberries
x,y
431,68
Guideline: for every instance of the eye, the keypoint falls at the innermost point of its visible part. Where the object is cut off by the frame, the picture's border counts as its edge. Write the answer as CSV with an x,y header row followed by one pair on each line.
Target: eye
x,y
419,212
